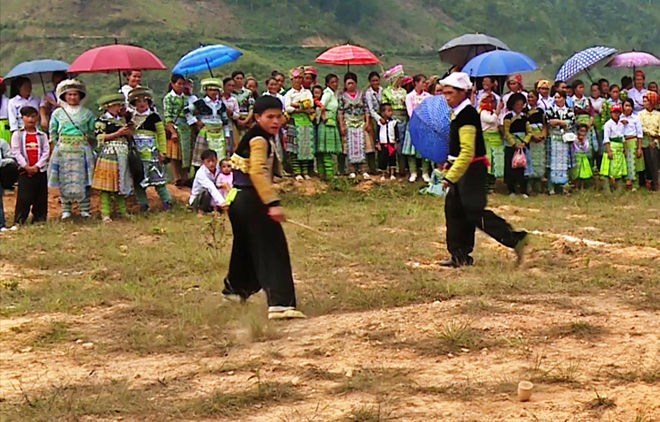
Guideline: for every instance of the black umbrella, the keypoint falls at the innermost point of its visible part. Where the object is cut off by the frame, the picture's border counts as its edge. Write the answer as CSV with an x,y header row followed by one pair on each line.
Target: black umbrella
x,y
462,49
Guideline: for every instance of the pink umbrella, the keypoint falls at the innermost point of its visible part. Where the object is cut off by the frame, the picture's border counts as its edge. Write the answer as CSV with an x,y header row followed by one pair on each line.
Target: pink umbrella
x,y
634,59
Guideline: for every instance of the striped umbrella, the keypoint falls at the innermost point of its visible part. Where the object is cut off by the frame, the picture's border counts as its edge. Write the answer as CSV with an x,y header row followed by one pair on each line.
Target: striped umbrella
x,y
582,61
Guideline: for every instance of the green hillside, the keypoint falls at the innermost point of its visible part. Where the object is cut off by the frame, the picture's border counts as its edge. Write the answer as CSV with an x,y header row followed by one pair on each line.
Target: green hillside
x,y
284,33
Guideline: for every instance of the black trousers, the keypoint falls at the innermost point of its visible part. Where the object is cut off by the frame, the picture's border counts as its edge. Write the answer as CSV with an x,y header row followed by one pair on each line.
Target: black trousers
x,y
260,254
9,175
465,211
202,202
31,195
651,158
513,177
385,160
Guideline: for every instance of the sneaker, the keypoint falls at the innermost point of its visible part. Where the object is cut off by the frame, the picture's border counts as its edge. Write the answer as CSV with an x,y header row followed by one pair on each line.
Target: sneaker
x,y
306,177
352,175
524,195
66,215
426,177
13,228
521,246
454,263
551,192
382,178
4,229
366,176
166,206
288,314
413,178
106,219
85,214
299,178
392,177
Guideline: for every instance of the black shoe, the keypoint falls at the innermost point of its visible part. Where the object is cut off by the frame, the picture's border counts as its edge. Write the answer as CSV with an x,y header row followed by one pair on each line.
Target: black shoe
x,y
456,263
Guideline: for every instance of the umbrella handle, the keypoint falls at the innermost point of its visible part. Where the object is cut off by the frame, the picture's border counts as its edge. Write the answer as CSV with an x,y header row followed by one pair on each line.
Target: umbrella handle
x,y
209,66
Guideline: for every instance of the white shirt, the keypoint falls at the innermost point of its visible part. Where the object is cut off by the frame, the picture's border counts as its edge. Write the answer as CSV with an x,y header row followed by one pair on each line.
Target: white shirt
x,y
4,108
205,181
14,110
638,98
545,103
489,120
634,126
481,93
294,97
461,106
597,104
612,129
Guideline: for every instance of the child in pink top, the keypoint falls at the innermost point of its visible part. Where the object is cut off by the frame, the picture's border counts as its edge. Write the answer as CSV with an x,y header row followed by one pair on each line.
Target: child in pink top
x,y
225,180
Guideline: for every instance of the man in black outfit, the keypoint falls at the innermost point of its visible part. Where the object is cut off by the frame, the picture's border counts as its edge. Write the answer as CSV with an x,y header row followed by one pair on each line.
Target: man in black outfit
x,y
465,203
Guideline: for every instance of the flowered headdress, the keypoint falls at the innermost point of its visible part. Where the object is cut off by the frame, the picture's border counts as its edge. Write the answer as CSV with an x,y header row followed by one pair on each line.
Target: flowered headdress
x,y
296,72
652,97
394,73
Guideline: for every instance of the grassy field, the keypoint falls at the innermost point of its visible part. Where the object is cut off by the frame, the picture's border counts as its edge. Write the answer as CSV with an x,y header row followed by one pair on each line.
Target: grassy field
x,y
125,321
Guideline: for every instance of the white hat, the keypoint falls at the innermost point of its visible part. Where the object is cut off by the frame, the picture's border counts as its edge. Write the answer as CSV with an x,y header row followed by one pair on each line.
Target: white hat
x,y
458,80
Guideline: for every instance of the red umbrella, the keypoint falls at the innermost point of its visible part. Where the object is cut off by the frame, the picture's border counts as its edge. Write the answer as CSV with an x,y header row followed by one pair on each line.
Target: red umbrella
x,y
117,57
347,54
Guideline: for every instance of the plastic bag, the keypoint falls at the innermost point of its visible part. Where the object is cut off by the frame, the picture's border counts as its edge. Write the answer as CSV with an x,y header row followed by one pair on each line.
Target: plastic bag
x,y
519,160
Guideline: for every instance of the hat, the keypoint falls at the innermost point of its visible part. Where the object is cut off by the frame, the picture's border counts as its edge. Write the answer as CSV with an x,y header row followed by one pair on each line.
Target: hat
x,y
543,83
70,85
140,92
406,80
211,83
310,70
394,72
458,80
111,99
616,107
640,72
515,78
296,72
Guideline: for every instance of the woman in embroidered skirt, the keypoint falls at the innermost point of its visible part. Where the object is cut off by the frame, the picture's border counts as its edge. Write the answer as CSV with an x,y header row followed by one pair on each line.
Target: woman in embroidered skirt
x,y
560,159
177,120
650,118
632,135
215,132
328,138
149,139
299,104
374,95
71,168
492,139
112,175
537,154
517,134
613,166
395,95
353,119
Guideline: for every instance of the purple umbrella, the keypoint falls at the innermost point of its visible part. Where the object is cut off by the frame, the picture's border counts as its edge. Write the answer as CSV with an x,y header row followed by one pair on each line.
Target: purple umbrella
x,y
634,59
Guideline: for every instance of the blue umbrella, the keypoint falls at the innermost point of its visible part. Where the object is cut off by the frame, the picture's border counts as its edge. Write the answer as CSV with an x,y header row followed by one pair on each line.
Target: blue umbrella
x,y
205,58
429,128
37,69
499,63
583,60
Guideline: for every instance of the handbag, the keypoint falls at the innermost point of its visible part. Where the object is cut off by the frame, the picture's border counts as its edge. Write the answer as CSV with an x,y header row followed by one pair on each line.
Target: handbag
x,y
519,160
135,162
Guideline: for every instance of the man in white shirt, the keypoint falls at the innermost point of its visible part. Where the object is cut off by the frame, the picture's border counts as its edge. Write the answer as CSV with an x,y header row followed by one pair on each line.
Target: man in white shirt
x,y
636,93
205,195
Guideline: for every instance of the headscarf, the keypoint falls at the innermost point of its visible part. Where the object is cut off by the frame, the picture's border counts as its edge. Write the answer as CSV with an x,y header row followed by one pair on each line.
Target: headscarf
x,y
296,72
486,103
640,72
543,83
652,97
517,77
310,70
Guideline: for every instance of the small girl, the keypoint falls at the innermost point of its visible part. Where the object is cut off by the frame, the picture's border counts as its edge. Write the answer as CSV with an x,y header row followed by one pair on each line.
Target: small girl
x,y
582,170
435,187
225,180
112,176
613,167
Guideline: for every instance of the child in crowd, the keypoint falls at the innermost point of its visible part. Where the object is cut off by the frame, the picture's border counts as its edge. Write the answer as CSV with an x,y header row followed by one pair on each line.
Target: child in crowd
x,y
7,178
388,139
112,175
613,167
582,170
31,151
225,180
584,112
537,147
435,187
597,101
149,139
517,134
205,196
492,139
633,135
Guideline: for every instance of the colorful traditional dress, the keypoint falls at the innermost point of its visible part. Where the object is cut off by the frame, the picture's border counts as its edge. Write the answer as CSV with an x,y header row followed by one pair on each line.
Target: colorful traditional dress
x,y
216,129
494,144
149,139
613,135
112,173
435,187
517,132
71,167
245,100
354,108
537,154
396,97
5,133
582,168
631,133
329,140
651,128
176,111
584,111
231,107
560,158
300,132
597,104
